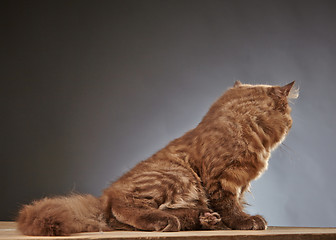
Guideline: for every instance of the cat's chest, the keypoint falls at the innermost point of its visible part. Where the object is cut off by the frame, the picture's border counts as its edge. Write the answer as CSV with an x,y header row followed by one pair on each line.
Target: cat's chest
x,y
260,164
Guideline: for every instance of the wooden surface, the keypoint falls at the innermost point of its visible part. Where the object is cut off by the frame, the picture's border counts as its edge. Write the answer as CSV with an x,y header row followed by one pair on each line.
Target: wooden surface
x,y
8,231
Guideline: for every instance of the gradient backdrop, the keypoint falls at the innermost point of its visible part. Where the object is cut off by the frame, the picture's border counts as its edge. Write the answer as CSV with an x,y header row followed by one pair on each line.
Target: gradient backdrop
x,y
90,88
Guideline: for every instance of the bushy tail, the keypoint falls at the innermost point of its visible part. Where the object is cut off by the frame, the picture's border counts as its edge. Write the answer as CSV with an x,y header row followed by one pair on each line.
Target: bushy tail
x,y
61,216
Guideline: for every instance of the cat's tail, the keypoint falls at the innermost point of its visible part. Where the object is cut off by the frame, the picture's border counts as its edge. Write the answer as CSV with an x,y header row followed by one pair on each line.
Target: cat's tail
x,y
60,216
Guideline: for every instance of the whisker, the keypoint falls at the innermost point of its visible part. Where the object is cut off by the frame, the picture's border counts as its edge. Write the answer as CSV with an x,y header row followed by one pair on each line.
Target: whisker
x,y
293,156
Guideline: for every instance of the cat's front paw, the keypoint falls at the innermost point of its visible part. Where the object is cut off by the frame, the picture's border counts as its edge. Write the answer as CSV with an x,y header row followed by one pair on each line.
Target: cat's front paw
x,y
256,222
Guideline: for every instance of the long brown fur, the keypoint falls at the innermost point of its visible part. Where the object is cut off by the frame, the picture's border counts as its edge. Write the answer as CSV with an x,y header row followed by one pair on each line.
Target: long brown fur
x,y
196,182
62,216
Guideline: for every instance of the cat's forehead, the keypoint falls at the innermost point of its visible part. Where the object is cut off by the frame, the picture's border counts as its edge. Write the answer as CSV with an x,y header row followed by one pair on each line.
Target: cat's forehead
x,y
256,85
288,90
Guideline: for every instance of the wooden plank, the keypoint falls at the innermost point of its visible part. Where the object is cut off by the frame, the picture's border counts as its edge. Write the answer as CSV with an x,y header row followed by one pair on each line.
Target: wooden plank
x,y
8,232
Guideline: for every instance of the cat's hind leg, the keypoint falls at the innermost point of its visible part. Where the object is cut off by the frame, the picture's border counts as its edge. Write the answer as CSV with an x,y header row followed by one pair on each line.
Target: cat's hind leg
x,y
143,217
195,218
212,221
149,219
188,217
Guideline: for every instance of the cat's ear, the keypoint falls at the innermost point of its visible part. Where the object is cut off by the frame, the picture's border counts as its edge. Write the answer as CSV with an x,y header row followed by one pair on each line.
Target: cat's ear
x,y
237,83
286,89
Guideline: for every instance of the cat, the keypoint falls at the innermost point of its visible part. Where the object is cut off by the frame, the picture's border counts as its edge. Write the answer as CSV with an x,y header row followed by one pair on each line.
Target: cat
x,y
197,181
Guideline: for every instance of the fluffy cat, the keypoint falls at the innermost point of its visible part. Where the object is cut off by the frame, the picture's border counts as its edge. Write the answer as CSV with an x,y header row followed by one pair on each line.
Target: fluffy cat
x,y
196,182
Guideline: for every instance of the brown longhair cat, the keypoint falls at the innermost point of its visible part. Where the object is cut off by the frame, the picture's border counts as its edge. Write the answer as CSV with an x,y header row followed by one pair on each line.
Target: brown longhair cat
x,y
196,182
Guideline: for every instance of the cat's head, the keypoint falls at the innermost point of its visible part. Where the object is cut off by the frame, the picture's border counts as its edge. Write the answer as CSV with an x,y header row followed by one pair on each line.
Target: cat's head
x,y
276,97
262,109
268,105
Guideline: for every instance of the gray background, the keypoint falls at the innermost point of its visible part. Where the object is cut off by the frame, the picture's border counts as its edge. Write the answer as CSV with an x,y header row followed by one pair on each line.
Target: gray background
x,y
89,88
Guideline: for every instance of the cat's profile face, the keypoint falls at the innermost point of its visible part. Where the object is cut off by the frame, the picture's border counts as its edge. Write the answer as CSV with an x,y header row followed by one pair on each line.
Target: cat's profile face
x,y
265,107
273,102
